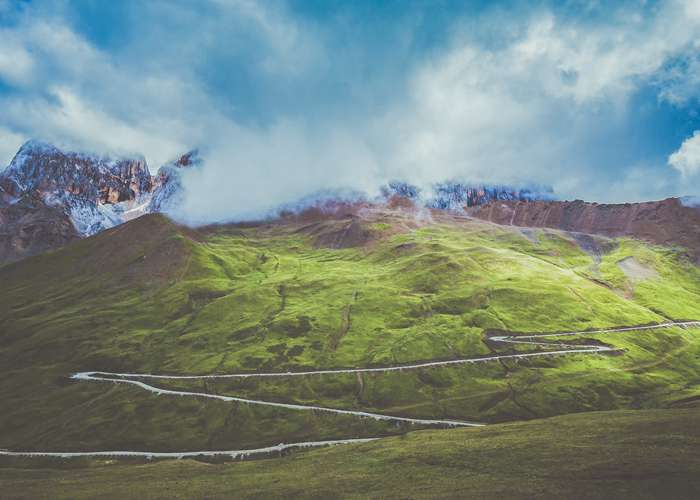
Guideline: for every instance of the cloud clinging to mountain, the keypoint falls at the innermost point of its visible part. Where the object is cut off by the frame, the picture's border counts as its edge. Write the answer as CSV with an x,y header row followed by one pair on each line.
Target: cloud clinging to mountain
x,y
285,102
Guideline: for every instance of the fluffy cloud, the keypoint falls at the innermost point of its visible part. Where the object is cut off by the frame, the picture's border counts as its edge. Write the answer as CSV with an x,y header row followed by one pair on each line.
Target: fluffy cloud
x,y
16,65
531,108
72,94
249,173
277,116
687,159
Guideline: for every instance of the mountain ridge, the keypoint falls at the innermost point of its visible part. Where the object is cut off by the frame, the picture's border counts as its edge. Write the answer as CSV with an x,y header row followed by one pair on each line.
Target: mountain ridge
x,y
50,197
665,222
151,296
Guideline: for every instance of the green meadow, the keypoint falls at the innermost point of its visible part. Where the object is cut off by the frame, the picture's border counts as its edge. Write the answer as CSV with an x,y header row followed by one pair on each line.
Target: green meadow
x,y
622,454
150,296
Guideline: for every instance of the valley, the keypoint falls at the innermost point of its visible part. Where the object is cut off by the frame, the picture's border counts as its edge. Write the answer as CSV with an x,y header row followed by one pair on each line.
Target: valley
x,y
349,250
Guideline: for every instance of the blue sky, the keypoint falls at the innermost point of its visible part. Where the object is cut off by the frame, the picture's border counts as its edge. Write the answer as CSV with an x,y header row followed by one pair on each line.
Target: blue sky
x,y
285,98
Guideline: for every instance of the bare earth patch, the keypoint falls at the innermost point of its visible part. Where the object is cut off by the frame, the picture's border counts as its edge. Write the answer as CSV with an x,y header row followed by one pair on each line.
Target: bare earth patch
x,y
635,270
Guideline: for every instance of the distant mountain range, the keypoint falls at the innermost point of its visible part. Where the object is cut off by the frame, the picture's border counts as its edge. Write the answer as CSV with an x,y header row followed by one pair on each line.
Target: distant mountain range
x,y
455,195
50,197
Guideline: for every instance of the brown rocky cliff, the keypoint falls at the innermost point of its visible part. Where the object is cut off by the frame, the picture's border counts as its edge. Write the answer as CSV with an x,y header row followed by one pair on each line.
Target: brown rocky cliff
x,y
666,222
29,226
44,169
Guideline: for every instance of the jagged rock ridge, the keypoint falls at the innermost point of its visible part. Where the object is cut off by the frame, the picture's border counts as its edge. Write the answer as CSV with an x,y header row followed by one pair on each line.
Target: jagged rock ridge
x,y
667,222
455,195
49,197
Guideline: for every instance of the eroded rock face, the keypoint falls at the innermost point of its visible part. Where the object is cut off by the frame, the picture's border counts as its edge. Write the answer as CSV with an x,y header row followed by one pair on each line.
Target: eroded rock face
x,y
42,168
29,226
666,222
5,197
460,195
97,192
455,195
79,194
94,192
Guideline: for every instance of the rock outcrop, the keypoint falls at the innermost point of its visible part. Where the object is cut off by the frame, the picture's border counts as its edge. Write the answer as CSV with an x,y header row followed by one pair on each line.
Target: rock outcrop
x,y
42,168
29,226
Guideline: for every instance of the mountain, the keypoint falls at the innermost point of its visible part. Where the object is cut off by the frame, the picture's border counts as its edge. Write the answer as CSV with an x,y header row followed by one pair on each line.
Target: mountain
x,y
45,190
364,286
672,221
49,197
295,294
456,195
167,192
94,192
29,226
43,167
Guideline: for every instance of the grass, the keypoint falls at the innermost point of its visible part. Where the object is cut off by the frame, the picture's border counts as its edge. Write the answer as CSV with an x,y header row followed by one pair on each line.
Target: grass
x,y
150,296
622,454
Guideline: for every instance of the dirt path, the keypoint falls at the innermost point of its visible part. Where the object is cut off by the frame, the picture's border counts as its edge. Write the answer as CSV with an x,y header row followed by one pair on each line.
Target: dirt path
x,y
119,378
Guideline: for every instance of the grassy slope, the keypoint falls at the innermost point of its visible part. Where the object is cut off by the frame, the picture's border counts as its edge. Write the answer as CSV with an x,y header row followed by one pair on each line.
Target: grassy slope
x,y
263,298
623,454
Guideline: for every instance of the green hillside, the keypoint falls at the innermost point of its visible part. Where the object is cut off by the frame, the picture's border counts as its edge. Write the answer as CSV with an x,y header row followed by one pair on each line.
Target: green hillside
x,y
385,288
622,454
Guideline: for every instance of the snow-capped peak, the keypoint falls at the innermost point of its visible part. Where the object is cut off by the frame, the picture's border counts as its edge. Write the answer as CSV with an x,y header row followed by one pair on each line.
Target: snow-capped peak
x,y
96,192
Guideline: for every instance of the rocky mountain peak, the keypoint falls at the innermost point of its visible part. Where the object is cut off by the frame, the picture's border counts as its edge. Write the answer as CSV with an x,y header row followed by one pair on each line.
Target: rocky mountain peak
x,y
167,191
53,173
189,159
45,186
456,195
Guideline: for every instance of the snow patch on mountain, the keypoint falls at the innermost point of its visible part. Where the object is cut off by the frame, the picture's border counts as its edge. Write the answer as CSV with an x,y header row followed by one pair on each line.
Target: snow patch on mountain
x,y
99,192
168,194
459,195
95,192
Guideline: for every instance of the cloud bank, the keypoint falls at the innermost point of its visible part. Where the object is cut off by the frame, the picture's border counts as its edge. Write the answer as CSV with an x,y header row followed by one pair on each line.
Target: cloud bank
x,y
687,159
597,102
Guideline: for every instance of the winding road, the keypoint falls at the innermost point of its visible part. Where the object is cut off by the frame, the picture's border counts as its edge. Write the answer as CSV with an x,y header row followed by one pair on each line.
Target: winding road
x,y
135,379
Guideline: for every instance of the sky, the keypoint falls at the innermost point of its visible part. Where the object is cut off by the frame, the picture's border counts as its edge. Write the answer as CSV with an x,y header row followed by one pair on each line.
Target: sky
x,y
284,99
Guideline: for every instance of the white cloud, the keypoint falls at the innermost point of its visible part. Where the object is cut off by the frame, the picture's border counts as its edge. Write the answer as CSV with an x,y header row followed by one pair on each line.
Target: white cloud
x,y
9,144
16,64
291,48
79,97
89,100
249,173
687,159
517,111
524,110
72,122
